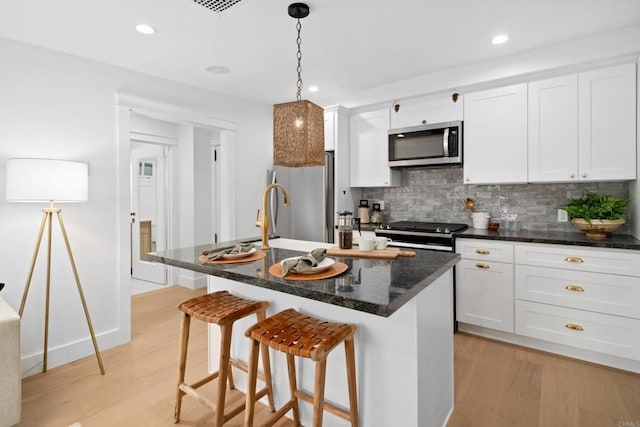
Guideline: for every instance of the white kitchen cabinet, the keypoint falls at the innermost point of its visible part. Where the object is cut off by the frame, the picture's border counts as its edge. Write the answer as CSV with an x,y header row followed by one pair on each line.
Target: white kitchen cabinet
x,y
369,153
426,110
495,136
586,330
553,129
484,287
586,298
330,129
607,118
582,126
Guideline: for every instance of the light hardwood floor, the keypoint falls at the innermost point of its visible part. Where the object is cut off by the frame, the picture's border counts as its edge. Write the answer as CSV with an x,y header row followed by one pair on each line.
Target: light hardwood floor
x,y
496,384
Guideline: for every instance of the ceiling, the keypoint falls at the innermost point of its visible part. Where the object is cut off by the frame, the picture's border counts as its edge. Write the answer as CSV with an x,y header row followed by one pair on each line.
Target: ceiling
x,y
347,45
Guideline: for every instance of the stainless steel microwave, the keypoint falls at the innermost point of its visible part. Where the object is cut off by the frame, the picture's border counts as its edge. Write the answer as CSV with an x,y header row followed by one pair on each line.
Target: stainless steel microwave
x,y
438,144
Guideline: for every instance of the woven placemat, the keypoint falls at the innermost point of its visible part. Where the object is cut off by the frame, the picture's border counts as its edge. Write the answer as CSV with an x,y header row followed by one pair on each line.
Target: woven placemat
x,y
334,270
253,257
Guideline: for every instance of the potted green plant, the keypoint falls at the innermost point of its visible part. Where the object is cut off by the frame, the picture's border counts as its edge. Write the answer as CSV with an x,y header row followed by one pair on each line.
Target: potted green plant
x,y
596,215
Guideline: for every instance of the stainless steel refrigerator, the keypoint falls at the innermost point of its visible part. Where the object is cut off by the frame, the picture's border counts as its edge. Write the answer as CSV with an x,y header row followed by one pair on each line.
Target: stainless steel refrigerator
x,y
311,214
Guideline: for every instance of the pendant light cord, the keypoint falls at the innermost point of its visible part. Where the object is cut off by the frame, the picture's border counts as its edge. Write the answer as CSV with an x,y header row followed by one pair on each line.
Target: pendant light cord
x,y
299,56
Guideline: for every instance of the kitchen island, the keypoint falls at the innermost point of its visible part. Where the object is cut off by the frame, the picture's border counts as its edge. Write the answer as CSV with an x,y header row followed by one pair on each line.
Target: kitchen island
x,y
404,312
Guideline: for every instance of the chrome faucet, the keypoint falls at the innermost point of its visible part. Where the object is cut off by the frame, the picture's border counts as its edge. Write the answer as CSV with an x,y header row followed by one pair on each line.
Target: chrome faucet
x,y
262,221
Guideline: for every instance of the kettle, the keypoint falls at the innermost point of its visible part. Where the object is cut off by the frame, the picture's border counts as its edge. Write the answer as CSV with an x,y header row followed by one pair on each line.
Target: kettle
x,y
363,212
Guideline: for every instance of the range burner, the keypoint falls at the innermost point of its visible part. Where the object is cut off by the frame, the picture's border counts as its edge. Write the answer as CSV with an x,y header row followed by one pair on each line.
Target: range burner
x,y
428,227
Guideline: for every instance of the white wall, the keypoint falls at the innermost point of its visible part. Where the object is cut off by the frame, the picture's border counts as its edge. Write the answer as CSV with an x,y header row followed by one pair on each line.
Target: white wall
x,y
60,106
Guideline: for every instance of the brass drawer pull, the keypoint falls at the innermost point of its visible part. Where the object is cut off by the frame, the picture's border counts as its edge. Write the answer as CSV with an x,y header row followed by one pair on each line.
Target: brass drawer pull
x,y
483,266
574,326
574,259
483,251
574,288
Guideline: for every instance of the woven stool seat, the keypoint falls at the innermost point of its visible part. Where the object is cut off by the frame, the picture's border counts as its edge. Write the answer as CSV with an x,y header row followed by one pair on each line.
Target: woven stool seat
x,y
299,334
223,309
220,307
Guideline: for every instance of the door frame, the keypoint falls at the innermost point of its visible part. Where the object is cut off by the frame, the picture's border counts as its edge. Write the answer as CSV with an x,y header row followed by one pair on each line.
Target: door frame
x,y
125,104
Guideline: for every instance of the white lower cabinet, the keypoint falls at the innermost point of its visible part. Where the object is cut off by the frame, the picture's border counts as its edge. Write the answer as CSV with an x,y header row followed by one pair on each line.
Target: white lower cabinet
x,y
602,333
578,301
484,294
484,284
587,298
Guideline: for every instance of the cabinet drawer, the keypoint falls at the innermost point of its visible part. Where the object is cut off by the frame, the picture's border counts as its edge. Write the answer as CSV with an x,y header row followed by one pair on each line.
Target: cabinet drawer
x,y
485,250
618,336
484,294
615,261
602,293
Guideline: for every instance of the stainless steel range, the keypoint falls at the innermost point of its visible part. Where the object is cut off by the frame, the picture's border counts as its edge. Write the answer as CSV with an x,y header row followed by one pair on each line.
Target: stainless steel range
x,y
422,235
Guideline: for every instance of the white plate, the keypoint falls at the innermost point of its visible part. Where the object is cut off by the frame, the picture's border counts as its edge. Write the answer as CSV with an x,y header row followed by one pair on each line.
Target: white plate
x,y
323,265
239,255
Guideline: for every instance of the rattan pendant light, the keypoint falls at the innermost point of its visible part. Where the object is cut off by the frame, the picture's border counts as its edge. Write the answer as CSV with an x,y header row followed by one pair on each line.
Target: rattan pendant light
x,y
298,127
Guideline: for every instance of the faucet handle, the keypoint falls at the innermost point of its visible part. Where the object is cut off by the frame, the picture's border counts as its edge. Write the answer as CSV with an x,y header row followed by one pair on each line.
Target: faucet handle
x,y
258,218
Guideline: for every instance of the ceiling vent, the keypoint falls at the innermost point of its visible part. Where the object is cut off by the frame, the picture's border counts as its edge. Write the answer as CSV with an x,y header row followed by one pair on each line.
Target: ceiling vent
x,y
218,5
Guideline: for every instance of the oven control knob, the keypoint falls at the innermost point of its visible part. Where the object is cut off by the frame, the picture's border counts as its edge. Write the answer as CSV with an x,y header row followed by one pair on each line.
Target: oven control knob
x,y
438,230
446,230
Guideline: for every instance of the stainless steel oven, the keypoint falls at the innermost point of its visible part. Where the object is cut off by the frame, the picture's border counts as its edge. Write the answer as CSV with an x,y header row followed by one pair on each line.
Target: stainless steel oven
x,y
421,235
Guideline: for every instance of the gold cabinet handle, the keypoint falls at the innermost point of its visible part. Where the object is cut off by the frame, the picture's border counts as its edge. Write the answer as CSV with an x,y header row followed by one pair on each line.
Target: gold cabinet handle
x,y
483,251
575,288
574,259
574,326
483,266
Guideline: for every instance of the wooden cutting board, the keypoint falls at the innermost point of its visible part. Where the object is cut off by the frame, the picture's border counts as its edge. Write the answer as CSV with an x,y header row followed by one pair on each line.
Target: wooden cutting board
x,y
388,253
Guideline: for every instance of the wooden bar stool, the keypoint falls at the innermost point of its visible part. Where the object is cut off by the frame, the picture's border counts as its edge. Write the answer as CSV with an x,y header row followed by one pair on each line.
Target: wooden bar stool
x,y
223,309
297,334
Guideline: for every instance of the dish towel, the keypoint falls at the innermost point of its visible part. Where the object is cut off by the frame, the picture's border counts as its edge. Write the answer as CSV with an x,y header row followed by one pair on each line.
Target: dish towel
x,y
217,253
303,263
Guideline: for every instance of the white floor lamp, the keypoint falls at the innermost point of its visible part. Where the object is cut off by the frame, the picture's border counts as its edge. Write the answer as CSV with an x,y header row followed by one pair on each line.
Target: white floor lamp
x,y
47,180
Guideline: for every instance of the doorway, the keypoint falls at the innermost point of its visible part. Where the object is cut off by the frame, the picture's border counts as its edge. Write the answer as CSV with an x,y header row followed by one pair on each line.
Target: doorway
x,y
149,209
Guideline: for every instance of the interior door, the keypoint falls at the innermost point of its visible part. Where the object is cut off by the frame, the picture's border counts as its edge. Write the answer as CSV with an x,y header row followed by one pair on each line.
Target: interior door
x,y
148,211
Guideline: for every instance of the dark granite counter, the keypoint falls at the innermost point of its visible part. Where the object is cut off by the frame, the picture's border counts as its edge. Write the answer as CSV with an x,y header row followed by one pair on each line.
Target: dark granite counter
x,y
375,286
615,241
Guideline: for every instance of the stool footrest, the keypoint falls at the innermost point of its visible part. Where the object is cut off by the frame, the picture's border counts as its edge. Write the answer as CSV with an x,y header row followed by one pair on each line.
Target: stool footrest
x,y
193,393
244,367
203,381
279,413
329,407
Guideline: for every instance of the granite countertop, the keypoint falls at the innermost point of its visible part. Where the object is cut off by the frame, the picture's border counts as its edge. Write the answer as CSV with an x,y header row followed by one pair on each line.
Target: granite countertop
x,y
376,286
614,241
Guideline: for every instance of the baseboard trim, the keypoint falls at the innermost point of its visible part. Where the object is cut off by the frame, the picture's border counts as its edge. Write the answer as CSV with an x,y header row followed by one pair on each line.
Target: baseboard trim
x,y
70,352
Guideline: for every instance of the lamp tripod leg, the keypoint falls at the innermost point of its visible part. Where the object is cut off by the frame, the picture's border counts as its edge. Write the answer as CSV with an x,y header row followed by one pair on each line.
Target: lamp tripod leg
x,y
84,303
45,216
48,292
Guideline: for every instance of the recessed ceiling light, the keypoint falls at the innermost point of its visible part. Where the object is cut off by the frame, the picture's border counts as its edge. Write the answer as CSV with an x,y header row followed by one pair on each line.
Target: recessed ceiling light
x,y
499,39
145,29
218,69
313,88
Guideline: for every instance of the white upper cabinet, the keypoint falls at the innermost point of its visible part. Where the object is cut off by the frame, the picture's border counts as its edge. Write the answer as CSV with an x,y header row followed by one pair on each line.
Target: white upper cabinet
x,y
329,130
423,111
582,126
369,154
553,129
495,136
607,123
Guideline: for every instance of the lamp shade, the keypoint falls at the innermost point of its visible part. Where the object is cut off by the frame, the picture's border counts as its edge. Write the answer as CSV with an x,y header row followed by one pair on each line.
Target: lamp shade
x,y
46,180
298,134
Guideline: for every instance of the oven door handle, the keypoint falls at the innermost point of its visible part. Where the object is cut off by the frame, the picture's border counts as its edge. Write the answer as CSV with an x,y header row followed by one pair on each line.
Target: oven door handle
x,y
445,142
